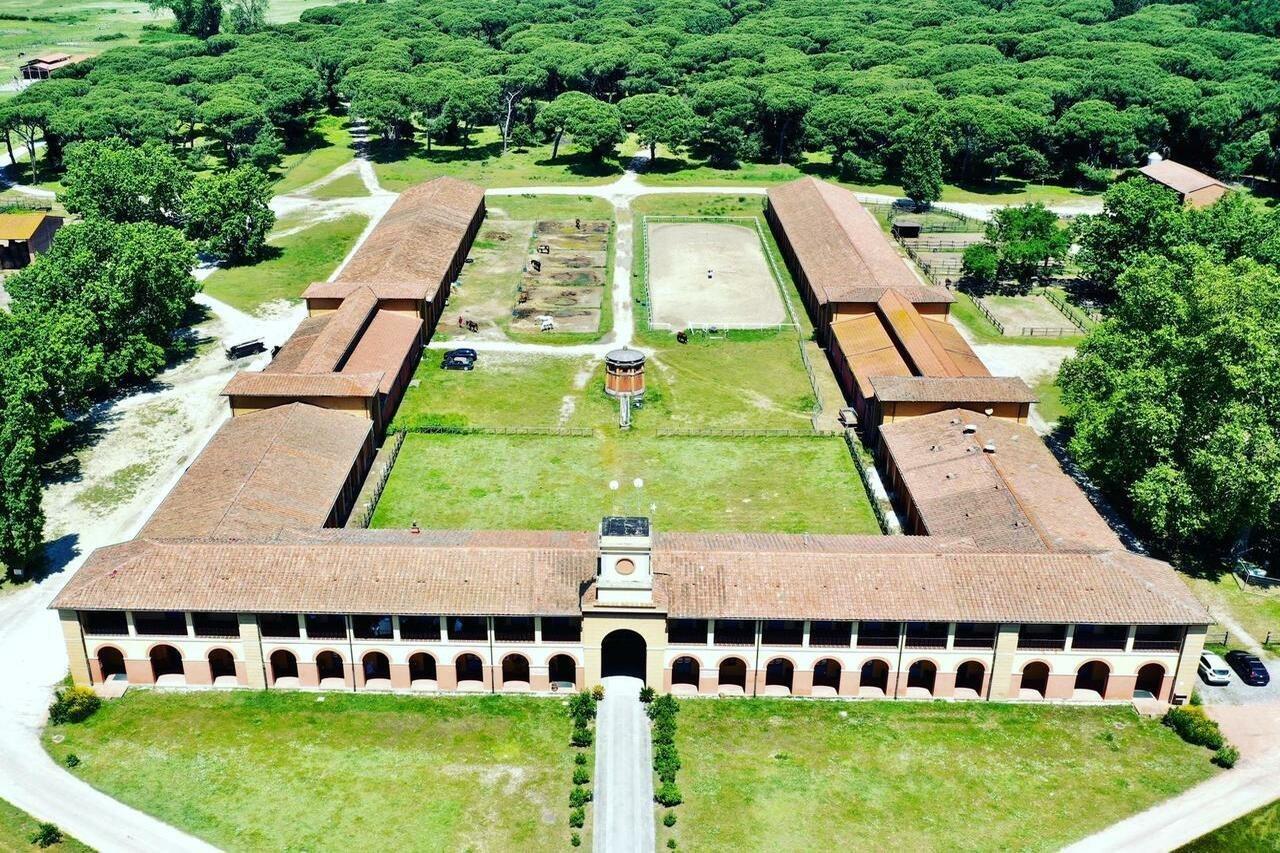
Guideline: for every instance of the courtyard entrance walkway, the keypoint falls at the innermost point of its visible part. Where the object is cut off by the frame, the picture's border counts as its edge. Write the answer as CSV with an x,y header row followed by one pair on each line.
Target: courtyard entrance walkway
x,y
624,774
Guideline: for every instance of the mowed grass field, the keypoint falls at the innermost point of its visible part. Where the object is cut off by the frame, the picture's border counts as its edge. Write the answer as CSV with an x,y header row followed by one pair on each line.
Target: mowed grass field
x,y
296,771
297,259
765,774
1259,830
16,828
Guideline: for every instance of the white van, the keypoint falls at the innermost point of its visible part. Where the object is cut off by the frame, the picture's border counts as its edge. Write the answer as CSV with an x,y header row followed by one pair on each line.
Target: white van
x,y
1214,670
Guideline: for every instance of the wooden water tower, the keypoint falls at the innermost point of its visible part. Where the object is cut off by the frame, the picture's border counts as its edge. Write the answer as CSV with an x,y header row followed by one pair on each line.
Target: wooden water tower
x,y
624,373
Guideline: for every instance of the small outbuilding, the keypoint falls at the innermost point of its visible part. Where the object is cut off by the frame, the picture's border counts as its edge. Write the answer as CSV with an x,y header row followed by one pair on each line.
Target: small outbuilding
x,y
25,235
42,66
1192,186
624,373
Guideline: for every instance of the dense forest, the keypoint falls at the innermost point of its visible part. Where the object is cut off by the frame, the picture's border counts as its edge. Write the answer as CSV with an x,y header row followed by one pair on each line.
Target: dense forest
x,y
1046,90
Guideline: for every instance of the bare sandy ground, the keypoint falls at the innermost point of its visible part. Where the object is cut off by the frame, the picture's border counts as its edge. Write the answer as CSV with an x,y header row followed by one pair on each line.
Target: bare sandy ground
x,y
710,274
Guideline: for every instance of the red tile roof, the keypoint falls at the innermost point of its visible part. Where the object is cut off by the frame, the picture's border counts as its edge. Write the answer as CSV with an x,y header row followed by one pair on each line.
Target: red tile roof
x,y
284,466
385,346
973,390
1179,178
273,384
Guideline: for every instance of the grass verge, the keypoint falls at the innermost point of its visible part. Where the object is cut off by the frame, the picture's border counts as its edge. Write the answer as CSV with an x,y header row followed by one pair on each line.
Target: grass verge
x,y
784,775
297,771
17,827
1258,830
327,147
297,260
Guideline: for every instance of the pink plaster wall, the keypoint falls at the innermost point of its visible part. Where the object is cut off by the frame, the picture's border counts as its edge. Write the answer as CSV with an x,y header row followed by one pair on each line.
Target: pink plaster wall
x,y
400,675
308,674
198,671
138,671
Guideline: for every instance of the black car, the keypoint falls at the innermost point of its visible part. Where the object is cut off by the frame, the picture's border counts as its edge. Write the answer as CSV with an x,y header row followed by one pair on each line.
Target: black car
x,y
461,352
457,362
1249,667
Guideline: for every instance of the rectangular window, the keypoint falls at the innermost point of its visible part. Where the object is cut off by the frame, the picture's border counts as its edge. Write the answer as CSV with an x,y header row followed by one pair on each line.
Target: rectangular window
x,y
878,635
975,635
171,624
561,629
735,632
419,627
687,631
926,635
326,626
1158,638
278,624
1042,637
1112,637
113,623
824,633
782,632
513,629
468,628
371,627
215,625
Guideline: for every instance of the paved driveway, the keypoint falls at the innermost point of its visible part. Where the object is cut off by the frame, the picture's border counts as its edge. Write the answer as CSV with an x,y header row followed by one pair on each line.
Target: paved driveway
x,y
624,771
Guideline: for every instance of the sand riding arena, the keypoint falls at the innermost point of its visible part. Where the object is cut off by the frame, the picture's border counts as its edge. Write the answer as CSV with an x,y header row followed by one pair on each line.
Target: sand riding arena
x,y
710,274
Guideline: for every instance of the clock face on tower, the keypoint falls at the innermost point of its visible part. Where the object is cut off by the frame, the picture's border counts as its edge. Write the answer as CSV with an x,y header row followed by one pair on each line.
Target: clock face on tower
x,y
624,567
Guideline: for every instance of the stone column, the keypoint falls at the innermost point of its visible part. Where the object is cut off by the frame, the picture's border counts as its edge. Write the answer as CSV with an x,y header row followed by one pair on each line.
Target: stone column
x,y
1184,681
73,636
251,643
1001,675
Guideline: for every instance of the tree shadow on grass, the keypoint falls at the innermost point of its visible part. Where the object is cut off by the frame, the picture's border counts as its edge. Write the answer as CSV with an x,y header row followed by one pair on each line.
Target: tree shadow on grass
x,y
583,165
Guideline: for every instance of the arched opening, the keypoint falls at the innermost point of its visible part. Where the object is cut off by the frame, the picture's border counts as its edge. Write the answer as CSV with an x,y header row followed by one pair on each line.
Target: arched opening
x,y
562,672
1150,681
1094,676
470,671
779,675
222,665
329,667
376,669
515,672
874,676
110,662
685,673
623,653
167,661
969,677
733,676
1035,680
284,665
422,670
922,675
826,677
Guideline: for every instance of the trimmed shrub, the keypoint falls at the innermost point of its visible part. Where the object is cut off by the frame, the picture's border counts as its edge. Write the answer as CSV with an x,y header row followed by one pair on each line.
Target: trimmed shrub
x,y
1193,726
72,760
666,755
582,736
73,705
1227,756
1196,700
663,706
668,795
597,692
46,835
575,840
669,819
671,843
579,797
664,731
580,759
581,776
582,708
577,817
647,694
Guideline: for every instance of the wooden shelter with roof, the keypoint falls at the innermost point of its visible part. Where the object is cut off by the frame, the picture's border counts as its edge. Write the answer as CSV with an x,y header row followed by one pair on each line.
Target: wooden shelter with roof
x,y
1194,187
25,235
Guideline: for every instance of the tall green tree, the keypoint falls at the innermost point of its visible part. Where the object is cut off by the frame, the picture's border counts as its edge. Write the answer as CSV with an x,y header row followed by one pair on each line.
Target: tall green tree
x,y
1137,216
229,214
1027,241
922,165
659,119
199,18
593,124
247,16
124,183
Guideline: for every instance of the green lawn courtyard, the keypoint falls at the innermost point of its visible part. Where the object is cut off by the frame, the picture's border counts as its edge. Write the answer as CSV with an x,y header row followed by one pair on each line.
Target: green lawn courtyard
x,y
783,775
297,771
17,827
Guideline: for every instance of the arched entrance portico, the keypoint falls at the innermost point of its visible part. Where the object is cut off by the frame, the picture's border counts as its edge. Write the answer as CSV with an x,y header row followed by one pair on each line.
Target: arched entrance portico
x,y
623,653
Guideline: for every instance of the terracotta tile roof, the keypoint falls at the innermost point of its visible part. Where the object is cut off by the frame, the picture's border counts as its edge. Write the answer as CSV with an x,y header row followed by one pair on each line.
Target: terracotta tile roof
x,y
973,390
333,577
417,239
1002,499
281,466
272,384
1107,588
1179,178
20,226
868,350
295,349
844,252
916,337
416,290
961,354
337,338
385,346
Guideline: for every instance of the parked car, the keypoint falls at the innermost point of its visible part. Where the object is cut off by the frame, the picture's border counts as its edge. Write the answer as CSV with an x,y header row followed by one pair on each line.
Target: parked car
x,y
462,352
458,362
1213,669
243,349
1249,667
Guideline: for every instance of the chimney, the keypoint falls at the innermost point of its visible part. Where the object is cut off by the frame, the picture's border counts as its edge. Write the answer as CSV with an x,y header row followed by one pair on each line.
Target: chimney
x,y
1153,158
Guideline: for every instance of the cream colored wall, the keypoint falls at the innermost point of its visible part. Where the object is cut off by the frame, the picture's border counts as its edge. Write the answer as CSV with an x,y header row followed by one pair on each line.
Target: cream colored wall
x,y
651,626
74,639
316,307
1186,677
359,406
901,411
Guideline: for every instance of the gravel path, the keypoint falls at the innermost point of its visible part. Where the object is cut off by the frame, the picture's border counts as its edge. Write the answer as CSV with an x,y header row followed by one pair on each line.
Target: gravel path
x,y
624,775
